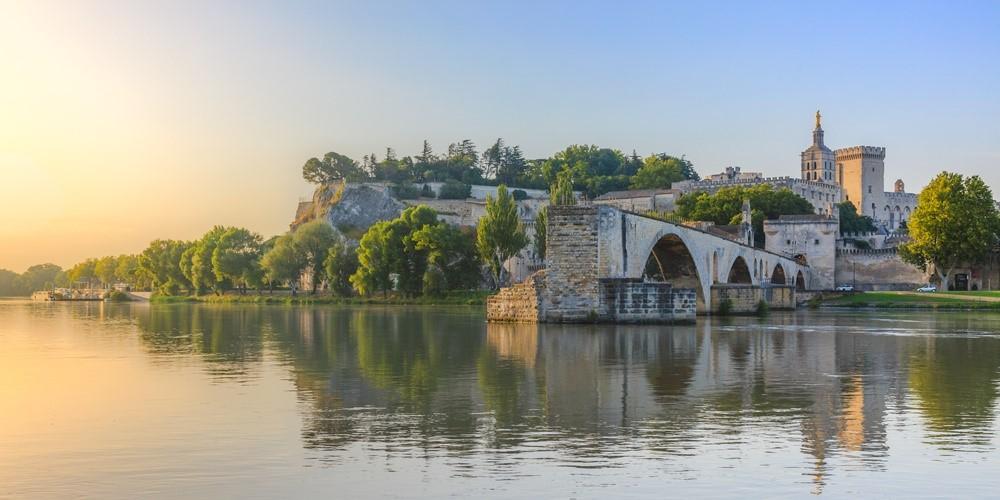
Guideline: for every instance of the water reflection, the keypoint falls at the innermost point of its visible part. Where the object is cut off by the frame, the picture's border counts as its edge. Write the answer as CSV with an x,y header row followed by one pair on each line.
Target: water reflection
x,y
441,382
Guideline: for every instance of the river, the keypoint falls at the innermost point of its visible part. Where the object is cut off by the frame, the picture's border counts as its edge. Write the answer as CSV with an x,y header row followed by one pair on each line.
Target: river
x,y
236,401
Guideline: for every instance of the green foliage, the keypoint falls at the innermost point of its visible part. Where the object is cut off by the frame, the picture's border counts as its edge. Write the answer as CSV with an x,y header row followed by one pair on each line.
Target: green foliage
x,y
284,261
236,258
763,309
541,229
561,192
726,205
388,249
312,241
406,191
499,234
196,263
851,222
452,190
35,278
341,262
452,258
519,194
660,171
160,261
955,222
426,192
9,286
725,307
333,167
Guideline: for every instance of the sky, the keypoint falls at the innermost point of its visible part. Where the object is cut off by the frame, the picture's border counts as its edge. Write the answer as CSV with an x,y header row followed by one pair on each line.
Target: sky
x,y
123,122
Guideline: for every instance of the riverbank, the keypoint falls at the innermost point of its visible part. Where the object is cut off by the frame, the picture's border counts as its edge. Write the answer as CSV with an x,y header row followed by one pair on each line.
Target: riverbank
x,y
451,298
979,300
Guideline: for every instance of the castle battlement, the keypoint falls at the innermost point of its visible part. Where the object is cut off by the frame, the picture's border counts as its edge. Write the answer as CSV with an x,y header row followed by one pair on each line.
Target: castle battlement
x,y
856,152
910,198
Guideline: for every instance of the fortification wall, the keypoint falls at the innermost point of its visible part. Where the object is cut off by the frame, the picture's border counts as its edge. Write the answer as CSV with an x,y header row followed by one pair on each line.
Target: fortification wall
x,y
877,270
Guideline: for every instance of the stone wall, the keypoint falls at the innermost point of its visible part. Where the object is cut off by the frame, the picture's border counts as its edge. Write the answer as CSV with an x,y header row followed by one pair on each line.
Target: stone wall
x,y
520,303
744,298
572,291
877,270
636,301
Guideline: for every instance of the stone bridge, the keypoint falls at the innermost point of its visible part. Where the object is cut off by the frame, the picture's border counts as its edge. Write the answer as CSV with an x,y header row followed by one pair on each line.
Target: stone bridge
x,y
603,263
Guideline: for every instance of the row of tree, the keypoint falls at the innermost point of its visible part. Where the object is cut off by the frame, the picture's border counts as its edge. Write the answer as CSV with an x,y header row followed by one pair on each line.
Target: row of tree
x,y
594,170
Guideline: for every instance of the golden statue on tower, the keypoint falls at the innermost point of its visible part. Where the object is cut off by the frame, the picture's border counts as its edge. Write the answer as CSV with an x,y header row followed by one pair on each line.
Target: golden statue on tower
x,y
818,116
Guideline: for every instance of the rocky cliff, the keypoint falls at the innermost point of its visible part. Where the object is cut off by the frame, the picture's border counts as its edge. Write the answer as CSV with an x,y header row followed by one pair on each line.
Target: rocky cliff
x,y
350,208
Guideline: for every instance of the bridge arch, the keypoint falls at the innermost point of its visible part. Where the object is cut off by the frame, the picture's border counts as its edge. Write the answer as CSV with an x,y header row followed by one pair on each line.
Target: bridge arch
x,y
800,282
739,272
670,261
778,275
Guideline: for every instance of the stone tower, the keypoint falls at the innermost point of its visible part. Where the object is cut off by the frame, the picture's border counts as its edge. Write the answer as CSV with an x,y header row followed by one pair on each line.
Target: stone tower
x,y
861,174
818,161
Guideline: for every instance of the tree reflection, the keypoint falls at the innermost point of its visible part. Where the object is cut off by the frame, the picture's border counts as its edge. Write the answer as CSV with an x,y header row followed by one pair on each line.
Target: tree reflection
x,y
955,380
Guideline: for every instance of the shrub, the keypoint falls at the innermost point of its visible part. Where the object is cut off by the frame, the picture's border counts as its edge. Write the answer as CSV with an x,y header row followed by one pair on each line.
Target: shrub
x,y
406,191
519,194
725,307
118,296
426,192
762,308
455,191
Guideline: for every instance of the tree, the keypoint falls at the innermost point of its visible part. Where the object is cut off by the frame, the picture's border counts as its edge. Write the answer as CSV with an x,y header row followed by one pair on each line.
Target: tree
x,y
8,283
198,263
284,261
541,228
333,167
452,259
561,192
512,166
104,269
313,240
236,258
37,277
160,261
127,271
388,250
658,172
341,262
726,206
500,234
955,222
851,222
82,272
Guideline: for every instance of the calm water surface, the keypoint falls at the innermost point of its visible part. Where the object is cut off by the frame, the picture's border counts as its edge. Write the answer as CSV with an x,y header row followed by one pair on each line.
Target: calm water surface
x,y
181,401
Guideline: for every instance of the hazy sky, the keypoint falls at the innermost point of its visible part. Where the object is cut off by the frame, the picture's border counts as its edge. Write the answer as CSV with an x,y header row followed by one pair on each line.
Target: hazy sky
x,y
121,122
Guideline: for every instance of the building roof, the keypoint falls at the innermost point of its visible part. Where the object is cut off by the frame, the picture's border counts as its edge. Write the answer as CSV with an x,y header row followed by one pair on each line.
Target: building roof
x,y
634,193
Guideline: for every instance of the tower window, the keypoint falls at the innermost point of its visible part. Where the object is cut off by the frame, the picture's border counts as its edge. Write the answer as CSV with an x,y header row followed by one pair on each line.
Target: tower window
x,y
869,189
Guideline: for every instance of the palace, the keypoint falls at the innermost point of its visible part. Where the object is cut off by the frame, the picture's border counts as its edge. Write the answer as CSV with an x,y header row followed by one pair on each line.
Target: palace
x,y
828,177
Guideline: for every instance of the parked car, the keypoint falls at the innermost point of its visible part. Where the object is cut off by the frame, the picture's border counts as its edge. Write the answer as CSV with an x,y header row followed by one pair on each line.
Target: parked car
x,y
845,288
928,288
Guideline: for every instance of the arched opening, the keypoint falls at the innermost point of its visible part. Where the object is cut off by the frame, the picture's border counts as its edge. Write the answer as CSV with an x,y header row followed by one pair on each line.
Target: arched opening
x,y
778,275
740,272
670,261
800,282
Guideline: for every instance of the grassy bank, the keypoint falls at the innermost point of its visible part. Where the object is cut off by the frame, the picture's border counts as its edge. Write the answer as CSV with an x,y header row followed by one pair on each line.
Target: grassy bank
x,y
451,298
912,300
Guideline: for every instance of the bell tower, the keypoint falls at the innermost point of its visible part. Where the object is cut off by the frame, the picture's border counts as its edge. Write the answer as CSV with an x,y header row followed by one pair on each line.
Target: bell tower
x,y
818,161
